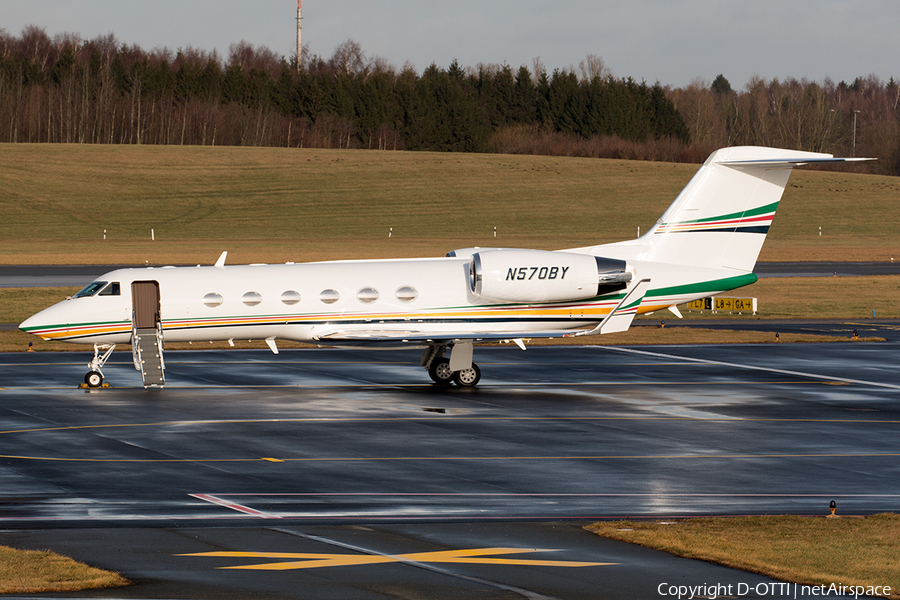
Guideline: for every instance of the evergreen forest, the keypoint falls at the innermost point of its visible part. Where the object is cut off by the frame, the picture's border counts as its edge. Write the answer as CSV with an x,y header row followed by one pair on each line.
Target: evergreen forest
x,y
64,89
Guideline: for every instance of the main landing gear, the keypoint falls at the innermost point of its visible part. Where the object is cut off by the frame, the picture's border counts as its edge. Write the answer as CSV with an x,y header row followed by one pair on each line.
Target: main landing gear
x,y
440,372
94,377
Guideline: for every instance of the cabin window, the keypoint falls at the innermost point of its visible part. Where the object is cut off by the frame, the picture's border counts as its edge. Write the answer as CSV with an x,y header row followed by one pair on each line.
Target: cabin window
x,y
90,289
290,297
113,289
213,300
329,296
251,298
367,295
407,294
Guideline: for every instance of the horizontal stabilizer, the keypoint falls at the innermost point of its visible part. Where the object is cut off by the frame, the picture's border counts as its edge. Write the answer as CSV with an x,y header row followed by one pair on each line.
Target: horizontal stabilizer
x,y
788,162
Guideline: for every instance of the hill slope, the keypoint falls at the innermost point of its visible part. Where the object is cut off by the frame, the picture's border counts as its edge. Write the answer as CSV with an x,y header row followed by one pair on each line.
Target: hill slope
x,y
276,205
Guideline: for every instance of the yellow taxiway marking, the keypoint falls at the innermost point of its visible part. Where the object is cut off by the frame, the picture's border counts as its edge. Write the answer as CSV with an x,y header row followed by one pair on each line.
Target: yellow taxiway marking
x,y
483,556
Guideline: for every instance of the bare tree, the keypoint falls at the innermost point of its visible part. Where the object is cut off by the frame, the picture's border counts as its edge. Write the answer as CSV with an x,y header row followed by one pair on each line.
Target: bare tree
x,y
249,58
537,70
348,59
594,67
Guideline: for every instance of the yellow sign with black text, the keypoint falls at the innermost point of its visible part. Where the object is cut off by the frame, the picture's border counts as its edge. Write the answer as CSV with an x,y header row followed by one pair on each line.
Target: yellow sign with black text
x,y
724,304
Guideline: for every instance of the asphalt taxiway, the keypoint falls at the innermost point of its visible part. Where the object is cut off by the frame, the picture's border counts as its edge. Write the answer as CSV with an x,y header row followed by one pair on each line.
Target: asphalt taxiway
x,y
373,483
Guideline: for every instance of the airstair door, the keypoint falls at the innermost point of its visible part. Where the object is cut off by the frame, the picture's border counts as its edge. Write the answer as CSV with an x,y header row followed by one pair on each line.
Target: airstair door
x,y
146,333
145,304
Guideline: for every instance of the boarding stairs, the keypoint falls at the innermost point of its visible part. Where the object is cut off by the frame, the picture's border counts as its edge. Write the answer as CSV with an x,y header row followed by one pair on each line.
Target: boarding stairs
x,y
147,351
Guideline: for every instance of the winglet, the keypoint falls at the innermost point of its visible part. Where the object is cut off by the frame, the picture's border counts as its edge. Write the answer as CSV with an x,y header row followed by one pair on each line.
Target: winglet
x,y
221,262
620,318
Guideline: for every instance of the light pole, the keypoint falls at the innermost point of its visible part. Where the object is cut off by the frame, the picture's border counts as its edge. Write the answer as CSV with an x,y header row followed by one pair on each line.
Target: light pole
x,y
853,153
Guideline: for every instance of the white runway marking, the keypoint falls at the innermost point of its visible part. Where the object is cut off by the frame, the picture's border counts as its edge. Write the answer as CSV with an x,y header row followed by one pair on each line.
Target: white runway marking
x,y
234,506
704,361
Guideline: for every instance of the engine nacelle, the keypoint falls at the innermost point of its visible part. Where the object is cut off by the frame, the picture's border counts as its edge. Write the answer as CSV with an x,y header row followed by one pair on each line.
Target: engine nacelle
x,y
540,276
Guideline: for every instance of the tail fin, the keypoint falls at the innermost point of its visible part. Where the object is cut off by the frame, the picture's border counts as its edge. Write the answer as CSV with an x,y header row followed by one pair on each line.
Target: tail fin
x,y
721,218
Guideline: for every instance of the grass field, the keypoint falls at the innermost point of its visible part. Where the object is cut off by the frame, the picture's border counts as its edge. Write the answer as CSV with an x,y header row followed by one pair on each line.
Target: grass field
x,y
35,571
804,550
275,205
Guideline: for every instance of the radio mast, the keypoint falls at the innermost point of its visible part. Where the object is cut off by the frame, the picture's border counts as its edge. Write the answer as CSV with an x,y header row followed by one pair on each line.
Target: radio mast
x,y
299,46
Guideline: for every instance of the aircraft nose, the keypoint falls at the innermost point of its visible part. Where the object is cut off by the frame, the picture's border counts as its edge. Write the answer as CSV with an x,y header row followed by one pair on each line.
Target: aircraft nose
x,y
39,324
32,323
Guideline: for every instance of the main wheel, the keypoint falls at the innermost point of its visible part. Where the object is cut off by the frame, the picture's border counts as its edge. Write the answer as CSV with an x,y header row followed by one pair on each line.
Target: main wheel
x,y
468,377
440,372
93,379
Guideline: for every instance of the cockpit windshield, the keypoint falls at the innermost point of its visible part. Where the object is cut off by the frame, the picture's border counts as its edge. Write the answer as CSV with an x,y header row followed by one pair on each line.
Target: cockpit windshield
x,y
90,289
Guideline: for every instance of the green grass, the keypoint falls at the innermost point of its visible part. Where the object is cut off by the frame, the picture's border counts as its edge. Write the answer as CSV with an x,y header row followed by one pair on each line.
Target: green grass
x,y
275,205
804,550
40,571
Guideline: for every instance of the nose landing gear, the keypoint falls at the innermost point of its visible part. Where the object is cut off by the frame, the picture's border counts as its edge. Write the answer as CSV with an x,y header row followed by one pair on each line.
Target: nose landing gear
x,y
94,377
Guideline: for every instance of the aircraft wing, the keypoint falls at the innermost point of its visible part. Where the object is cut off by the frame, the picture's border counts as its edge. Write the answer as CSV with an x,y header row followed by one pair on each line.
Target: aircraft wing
x,y
435,337
619,319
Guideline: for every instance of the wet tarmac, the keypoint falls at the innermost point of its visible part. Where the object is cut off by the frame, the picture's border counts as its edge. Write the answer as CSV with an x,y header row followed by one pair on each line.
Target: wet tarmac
x,y
352,452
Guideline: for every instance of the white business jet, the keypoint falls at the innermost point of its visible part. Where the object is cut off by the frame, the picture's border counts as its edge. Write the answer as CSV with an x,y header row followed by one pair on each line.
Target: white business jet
x,y
706,243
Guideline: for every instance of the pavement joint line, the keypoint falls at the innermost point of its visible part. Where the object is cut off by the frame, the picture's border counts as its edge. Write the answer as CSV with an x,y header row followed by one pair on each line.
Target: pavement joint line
x,y
705,361
439,417
338,459
428,567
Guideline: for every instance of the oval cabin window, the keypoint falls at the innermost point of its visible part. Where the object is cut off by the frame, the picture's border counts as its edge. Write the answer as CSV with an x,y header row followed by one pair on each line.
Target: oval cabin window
x,y
251,298
407,294
290,297
213,300
367,295
329,296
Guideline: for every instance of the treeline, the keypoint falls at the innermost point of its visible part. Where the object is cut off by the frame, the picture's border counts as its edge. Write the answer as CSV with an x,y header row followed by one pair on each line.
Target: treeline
x,y
64,89
98,91
860,118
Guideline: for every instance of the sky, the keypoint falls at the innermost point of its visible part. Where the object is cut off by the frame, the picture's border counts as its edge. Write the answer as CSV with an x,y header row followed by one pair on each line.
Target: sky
x,y
671,41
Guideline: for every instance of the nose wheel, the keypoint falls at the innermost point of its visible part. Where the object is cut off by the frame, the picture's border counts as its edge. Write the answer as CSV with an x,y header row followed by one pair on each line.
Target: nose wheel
x,y
94,377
